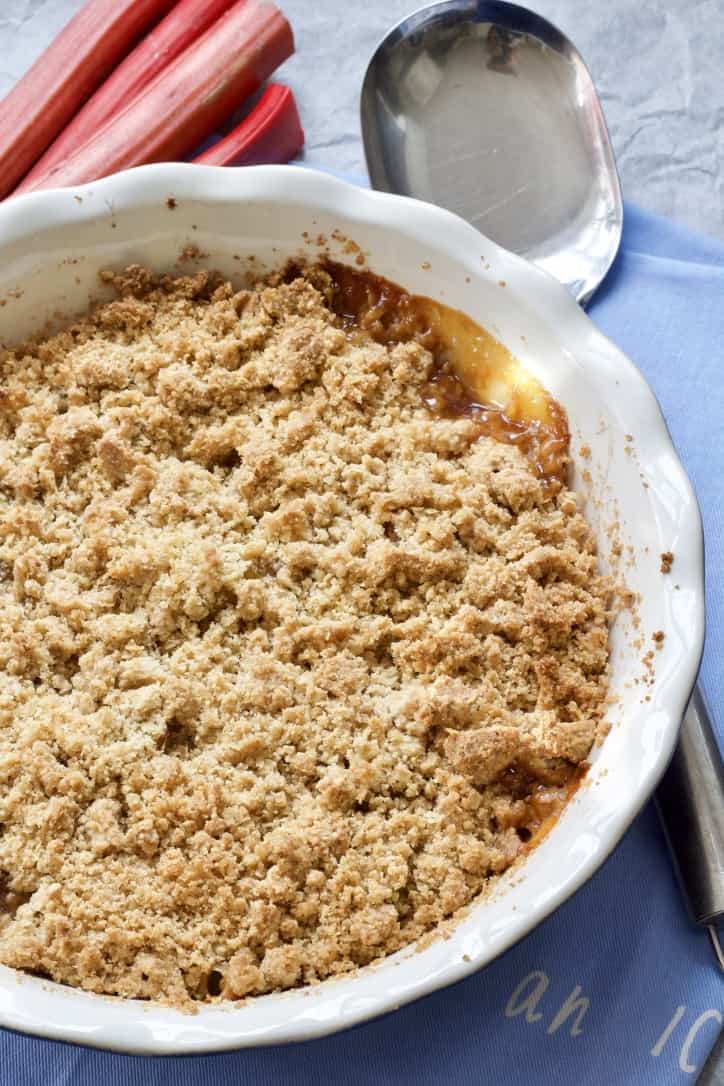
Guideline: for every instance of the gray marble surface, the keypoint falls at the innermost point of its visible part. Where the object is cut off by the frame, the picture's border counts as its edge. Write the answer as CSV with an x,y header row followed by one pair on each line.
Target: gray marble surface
x,y
657,64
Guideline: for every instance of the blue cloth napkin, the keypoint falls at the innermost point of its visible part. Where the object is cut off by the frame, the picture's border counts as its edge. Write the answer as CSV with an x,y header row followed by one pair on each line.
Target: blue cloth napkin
x,y
618,987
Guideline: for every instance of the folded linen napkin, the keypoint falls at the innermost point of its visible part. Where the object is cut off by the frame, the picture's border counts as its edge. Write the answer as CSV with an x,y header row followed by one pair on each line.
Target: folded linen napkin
x,y
617,987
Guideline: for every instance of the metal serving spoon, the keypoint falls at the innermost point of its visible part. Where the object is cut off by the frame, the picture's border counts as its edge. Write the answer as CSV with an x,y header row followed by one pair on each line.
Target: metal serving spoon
x,y
487,109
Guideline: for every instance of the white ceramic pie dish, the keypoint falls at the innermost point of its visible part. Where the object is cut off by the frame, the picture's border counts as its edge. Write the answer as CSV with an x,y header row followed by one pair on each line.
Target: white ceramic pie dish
x,y
53,244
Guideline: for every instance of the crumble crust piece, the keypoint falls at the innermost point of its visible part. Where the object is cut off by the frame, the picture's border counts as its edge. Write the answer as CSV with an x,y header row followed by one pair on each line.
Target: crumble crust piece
x,y
289,667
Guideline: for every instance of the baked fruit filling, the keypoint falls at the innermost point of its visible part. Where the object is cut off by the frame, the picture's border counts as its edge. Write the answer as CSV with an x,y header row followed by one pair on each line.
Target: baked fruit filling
x,y
303,635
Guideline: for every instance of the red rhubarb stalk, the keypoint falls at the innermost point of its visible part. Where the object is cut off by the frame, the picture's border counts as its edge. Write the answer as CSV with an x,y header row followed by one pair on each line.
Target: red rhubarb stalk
x,y
182,26
189,99
42,103
271,132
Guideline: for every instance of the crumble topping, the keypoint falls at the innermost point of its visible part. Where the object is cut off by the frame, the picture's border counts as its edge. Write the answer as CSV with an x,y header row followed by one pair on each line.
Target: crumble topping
x,y
290,668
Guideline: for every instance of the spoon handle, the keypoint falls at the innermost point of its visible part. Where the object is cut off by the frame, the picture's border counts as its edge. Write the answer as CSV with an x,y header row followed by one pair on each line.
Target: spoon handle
x,y
691,804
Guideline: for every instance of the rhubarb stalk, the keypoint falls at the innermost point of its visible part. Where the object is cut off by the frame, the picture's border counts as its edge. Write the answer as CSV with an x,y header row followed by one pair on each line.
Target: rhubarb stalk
x,y
42,103
271,132
181,27
189,99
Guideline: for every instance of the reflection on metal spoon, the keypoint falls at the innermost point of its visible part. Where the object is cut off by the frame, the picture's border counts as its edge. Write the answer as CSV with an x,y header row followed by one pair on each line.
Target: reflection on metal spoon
x,y
488,110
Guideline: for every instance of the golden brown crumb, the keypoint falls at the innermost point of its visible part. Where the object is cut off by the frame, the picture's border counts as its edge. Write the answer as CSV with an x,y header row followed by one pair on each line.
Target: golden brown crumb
x,y
289,667
658,638
667,561
190,254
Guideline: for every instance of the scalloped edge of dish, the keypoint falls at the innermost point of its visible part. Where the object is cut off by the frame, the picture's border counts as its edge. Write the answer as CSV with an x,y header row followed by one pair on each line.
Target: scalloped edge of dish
x,y
53,1011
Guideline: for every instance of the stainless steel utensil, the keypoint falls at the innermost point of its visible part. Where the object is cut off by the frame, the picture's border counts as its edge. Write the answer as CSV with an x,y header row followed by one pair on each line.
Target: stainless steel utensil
x,y
487,109
690,803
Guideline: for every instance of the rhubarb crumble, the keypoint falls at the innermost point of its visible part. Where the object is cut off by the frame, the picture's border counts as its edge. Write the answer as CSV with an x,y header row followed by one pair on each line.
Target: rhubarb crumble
x,y
301,645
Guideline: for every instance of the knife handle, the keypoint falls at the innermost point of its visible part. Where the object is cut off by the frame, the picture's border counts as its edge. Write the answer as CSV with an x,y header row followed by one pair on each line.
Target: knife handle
x,y
690,799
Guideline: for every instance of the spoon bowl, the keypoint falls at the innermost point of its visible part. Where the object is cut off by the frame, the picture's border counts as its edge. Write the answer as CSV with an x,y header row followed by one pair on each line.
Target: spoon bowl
x,y
486,109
